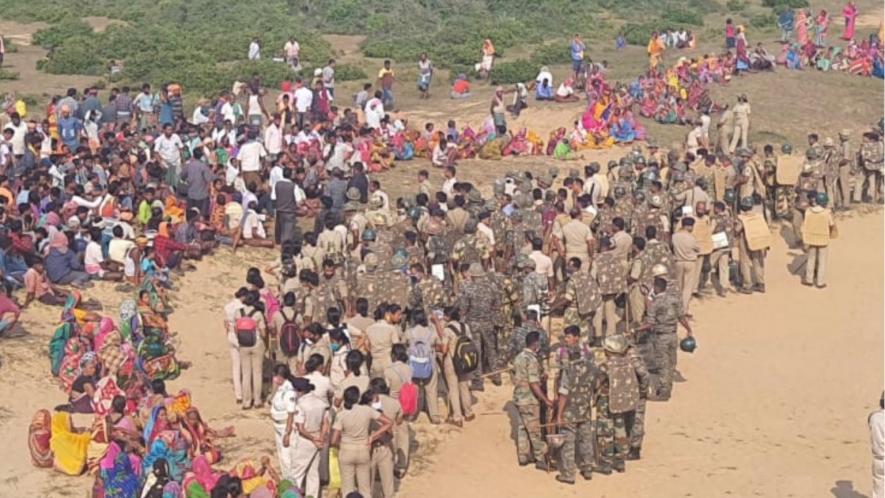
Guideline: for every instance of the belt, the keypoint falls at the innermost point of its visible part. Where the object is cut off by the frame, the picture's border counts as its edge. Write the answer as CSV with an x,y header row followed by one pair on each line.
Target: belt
x,y
662,333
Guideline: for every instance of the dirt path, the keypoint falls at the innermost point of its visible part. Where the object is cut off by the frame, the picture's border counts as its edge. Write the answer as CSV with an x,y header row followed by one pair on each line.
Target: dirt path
x,y
775,402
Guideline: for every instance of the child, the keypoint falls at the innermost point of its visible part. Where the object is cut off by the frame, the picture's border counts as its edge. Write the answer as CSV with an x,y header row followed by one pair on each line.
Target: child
x,y
729,34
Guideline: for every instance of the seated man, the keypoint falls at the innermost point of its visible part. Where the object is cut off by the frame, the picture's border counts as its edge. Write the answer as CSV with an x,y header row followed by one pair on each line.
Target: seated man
x,y
94,262
252,231
544,91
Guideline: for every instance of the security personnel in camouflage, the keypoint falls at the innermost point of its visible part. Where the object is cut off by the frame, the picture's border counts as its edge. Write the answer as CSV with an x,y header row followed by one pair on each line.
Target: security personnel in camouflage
x,y
578,384
581,299
534,285
510,296
367,282
872,159
395,284
628,388
527,397
480,304
332,289
663,315
427,291
469,248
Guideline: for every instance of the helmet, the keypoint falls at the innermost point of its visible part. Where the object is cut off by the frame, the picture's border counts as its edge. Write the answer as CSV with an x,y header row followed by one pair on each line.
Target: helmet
x,y
787,149
659,270
729,195
639,160
415,213
594,166
828,142
353,194
680,166
553,171
368,234
474,195
655,201
650,176
821,198
620,191
470,225
612,164
677,176
747,203
811,153
689,344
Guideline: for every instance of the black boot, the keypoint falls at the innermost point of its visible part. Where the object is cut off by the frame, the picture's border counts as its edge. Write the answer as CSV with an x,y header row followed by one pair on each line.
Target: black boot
x,y
633,454
619,466
603,468
587,474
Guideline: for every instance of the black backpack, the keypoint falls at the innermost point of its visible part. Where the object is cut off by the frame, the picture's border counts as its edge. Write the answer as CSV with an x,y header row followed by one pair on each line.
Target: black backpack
x,y
290,336
465,357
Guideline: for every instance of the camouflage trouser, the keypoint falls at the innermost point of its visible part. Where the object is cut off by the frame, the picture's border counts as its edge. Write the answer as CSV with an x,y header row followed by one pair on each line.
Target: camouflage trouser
x,y
583,321
529,443
621,440
605,431
486,339
783,202
577,450
635,424
797,219
665,360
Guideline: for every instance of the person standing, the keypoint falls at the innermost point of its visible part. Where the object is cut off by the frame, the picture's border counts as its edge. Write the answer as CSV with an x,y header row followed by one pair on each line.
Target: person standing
x,y
498,111
686,251
576,48
286,199
329,78
199,178
578,383
251,333
480,302
527,397
282,414
850,14
876,422
423,344
255,49
872,157
817,229
847,158
292,49
310,429
450,328
231,313
752,262
664,314
628,388
351,433
726,128
742,123
168,147
577,239
386,78
425,75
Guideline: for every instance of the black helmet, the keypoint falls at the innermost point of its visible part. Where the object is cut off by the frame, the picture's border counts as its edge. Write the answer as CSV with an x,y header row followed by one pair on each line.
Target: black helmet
x,y
688,344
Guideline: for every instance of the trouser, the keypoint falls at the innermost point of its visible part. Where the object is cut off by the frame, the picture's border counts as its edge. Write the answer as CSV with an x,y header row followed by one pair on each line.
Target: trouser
x,y
402,442
577,449
300,119
284,454
427,394
816,265
251,362
636,301
74,277
796,221
874,185
286,227
621,440
528,434
381,466
236,373
685,271
460,400
354,462
878,478
752,265
740,134
844,199
379,365
646,349
488,347
305,462
665,360
719,260
725,138
609,313
605,431
201,204
635,424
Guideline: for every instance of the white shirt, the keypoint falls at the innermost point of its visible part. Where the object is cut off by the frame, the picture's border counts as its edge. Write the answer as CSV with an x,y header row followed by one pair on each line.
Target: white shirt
x,y
251,224
693,140
877,434
449,186
227,113
322,386
303,99
93,254
487,232
705,125
254,51
218,134
250,155
18,137
273,139
283,402
374,113
198,117
292,48
169,149
543,263
339,155
276,174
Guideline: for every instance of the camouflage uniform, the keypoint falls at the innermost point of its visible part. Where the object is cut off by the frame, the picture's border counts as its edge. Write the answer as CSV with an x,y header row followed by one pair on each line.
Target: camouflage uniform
x,y
527,370
628,385
331,293
510,296
534,290
438,253
871,158
395,287
480,304
367,286
609,272
430,295
517,340
577,382
663,314
584,299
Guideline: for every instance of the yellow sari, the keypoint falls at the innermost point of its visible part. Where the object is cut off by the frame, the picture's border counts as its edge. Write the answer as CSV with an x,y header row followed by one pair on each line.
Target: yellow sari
x,y
68,447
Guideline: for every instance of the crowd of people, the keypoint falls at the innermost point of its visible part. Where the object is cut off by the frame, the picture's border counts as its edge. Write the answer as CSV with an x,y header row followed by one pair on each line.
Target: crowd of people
x,y
375,308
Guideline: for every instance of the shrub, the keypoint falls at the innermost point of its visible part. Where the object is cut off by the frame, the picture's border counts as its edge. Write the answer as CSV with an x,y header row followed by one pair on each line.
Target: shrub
x,y
782,4
513,72
349,72
61,33
680,18
763,21
552,53
8,75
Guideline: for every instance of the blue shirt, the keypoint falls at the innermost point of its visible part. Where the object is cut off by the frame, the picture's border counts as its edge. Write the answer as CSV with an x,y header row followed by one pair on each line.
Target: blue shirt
x,y
577,50
59,265
69,131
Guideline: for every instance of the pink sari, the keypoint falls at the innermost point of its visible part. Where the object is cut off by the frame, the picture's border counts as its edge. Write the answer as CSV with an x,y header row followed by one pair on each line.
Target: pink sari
x,y
850,14
801,27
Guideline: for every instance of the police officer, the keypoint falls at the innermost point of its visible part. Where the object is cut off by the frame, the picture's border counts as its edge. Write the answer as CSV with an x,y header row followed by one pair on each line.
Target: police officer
x,y
527,397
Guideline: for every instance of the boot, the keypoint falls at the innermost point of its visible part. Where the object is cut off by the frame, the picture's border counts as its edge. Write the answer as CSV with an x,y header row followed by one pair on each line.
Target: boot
x,y
633,454
603,468
564,480
587,474
619,466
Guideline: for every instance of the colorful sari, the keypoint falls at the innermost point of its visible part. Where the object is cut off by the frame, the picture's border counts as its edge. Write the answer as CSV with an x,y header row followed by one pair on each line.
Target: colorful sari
x,y
850,14
119,473
38,439
69,448
801,27
176,459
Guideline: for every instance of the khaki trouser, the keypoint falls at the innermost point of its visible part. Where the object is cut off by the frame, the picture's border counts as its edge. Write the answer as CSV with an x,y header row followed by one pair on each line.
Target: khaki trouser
x,y
752,265
460,400
251,362
816,265
382,467
685,278
844,186
724,138
355,465
402,442
741,127
719,260
427,392
636,301
379,365
610,314
236,374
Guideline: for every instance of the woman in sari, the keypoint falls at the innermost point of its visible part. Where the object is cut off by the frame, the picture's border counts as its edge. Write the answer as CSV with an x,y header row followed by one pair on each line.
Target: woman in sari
x,y
655,49
201,437
518,145
850,14
69,445
83,388
638,129
119,473
742,57
488,59
556,136
622,130
802,27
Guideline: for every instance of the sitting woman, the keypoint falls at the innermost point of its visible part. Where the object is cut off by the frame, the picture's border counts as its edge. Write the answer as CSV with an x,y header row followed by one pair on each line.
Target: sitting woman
x,y
622,130
83,388
518,145
460,88
566,92
62,265
201,437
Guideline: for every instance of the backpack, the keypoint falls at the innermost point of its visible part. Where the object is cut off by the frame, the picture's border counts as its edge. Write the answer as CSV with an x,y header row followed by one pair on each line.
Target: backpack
x,y
408,395
290,336
246,329
465,356
421,359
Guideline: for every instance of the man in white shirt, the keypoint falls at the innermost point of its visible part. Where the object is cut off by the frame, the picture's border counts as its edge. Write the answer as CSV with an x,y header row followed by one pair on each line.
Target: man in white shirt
x,y
273,138
694,139
329,78
543,263
249,157
877,441
448,186
374,111
19,129
254,50
303,100
293,53
168,147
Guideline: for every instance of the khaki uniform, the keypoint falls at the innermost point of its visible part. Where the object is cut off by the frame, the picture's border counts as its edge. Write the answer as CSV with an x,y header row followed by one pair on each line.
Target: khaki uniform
x,y
741,126
686,251
575,236
816,231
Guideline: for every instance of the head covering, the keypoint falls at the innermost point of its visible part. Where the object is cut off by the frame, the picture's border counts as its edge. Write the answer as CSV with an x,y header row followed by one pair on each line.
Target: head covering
x,y
59,242
616,344
476,270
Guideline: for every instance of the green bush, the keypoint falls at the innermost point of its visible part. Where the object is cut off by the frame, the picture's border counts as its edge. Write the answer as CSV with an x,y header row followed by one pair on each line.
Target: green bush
x,y
513,72
552,53
637,34
78,55
763,21
61,33
349,72
8,75
782,4
681,18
